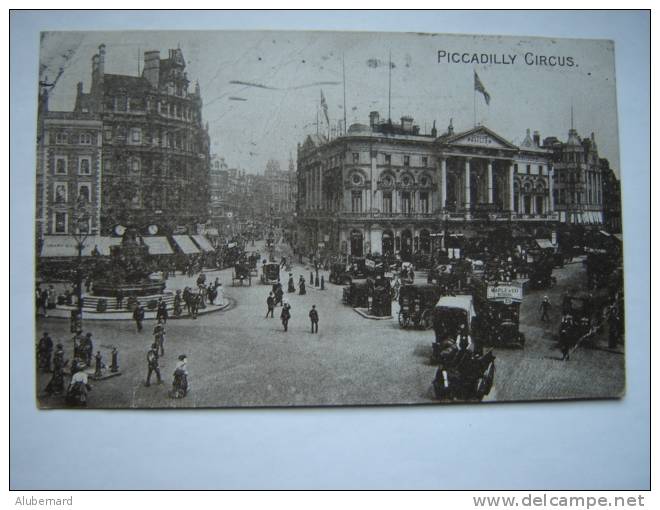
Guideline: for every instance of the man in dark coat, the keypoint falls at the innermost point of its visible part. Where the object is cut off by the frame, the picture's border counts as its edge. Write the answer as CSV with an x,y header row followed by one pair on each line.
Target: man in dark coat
x,y
270,303
161,312
286,316
45,351
152,364
292,285
138,317
314,317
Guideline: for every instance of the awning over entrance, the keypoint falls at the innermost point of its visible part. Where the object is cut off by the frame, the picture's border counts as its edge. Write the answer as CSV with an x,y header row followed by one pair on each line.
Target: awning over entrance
x,y
203,242
158,245
544,243
186,244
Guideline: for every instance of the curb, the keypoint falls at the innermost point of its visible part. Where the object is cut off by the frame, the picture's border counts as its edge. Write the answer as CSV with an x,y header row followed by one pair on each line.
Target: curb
x,y
65,313
363,313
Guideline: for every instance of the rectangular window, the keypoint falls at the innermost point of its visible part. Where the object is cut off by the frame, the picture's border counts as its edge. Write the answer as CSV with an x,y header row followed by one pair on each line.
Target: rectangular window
x,y
540,169
136,135
85,139
84,193
85,165
406,203
425,161
356,201
515,168
424,201
60,165
529,169
356,157
135,165
406,160
387,201
122,103
60,193
60,223
107,134
388,159
60,138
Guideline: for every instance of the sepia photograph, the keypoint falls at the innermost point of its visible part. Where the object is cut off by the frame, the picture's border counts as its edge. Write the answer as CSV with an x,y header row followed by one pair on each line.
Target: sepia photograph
x,y
318,218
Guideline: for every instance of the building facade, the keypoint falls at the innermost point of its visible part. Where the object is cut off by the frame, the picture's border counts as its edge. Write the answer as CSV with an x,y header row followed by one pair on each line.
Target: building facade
x,y
69,174
611,198
385,188
578,183
155,149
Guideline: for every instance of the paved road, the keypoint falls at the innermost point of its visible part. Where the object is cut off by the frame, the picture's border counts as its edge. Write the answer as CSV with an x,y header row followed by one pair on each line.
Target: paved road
x,y
238,357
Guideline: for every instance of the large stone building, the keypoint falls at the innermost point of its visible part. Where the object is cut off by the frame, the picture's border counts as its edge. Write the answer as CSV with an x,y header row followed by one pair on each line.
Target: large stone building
x,y
386,188
155,149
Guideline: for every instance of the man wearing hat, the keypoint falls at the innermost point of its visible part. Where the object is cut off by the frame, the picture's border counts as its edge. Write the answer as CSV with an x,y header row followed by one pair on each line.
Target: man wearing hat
x,y
152,364
138,317
87,348
314,317
544,307
292,285
45,351
159,336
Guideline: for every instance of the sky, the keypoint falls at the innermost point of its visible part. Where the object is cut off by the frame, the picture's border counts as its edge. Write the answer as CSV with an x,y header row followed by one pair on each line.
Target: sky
x,y
262,90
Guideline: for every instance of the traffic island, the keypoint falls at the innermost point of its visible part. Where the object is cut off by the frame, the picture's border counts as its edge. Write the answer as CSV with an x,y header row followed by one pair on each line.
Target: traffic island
x,y
365,312
64,312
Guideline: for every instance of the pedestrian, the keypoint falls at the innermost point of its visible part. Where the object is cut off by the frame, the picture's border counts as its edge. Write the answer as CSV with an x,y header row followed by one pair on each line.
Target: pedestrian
x,y
161,311
292,285
270,303
45,351
98,371
286,316
180,382
311,278
87,349
220,297
301,286
279,294
314,318
544,307
178,309
152,365
159,336
138,317
566,331
316,280
120,299
43,297
56,384
187,299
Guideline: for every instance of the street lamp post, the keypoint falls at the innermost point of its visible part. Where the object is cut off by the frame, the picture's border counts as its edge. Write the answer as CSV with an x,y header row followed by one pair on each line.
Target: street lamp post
x,y
81,218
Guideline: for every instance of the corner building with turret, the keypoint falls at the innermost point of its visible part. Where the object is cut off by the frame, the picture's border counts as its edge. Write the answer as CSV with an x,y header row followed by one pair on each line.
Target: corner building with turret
x,y
155,148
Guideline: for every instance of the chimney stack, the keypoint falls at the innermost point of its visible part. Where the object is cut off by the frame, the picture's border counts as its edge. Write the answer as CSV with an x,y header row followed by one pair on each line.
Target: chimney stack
x,y
374,117
101,60
152,67
537,138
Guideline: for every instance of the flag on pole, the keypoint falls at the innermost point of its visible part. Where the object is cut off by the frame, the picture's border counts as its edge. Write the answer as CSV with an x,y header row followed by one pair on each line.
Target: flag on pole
x,y
479,87
324,105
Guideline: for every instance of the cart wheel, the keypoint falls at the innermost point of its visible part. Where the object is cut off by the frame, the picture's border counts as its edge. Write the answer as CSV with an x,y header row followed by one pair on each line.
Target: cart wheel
x,y
427,320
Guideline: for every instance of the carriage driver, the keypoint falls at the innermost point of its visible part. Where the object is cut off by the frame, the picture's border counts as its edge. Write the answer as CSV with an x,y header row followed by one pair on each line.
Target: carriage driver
x,y
464,340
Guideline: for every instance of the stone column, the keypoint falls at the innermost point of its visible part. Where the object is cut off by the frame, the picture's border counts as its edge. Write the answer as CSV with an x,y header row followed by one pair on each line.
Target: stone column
x,y
511,192
551,197
490,181
467,188
443,185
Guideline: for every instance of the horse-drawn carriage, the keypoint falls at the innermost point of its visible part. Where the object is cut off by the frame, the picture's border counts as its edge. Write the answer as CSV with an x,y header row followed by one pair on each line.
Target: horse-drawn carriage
x,y
241,275
464,376
270,273
416,305
253,263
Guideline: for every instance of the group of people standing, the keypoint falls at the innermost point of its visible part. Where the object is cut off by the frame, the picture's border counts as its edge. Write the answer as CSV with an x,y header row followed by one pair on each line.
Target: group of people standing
x,y
276,298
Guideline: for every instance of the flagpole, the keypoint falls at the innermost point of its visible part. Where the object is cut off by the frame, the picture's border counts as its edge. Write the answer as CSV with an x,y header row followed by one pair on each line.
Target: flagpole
x,y
474,101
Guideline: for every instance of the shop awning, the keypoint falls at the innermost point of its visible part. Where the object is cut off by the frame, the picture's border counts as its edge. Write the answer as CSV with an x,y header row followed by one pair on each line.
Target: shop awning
x,y
544,243
186,244
158,245
203,242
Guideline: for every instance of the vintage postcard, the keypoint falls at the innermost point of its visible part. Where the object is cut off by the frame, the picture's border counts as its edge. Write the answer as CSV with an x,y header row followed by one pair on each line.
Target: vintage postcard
x,y
245,219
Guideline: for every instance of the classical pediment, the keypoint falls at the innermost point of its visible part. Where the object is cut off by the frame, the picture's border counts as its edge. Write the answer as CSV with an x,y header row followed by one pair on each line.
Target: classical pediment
x,y
479,137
